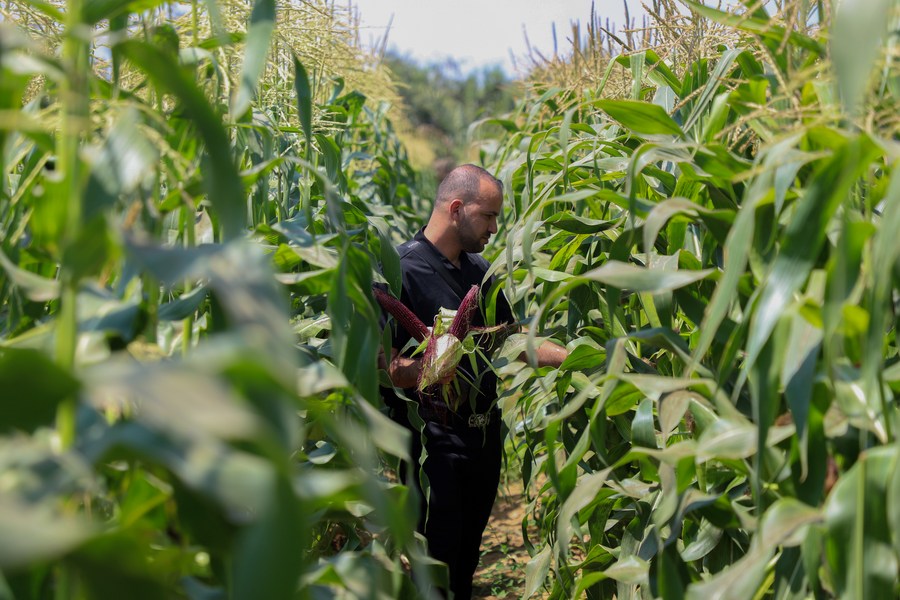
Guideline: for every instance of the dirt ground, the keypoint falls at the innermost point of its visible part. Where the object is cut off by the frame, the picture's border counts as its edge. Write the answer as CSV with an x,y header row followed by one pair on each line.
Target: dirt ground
x,y
501,573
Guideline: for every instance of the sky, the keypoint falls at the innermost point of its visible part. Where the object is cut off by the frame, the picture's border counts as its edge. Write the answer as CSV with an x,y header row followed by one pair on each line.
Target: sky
x,y
479,33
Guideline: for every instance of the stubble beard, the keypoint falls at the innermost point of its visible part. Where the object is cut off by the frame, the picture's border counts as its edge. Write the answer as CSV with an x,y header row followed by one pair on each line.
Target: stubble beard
x,y
470,241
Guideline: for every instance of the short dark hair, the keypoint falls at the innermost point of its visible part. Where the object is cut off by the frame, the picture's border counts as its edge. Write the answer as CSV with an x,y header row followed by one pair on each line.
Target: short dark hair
x,y
464,182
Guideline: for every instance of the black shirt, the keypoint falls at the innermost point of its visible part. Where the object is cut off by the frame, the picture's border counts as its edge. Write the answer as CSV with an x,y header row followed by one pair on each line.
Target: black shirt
x,y
425,291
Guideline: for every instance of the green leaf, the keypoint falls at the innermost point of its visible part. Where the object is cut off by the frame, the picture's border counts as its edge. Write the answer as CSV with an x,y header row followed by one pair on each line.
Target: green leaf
x,y
120,165
40,533
98,10
583,357
390,260
672,408
240,277
386,434
739,243
269,545
35,287
857,37
144,494
797,377
304,99
309,283
642,431
259,35
318,377
662,213
226,191
175,264
657,71
34,386
803,240
184,306
860,542
671,573
536,571
543,274
641,117
92,249
178,398
705,542
727,439
885,253
576,224
631,570
756,24
355,335
782,523
626,276
585,493
233,485
710,89
117,563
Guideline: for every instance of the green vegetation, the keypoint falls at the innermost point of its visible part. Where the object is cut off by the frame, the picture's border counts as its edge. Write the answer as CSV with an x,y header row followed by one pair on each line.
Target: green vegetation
x,y
189,234
717,248
197,197
440,103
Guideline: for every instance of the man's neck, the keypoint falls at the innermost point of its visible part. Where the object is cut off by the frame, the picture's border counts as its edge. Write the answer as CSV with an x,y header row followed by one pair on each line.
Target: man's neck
x,y
444,244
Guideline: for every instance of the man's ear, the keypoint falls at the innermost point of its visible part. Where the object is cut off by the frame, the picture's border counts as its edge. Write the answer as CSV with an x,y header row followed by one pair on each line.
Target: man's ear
x,y
455,207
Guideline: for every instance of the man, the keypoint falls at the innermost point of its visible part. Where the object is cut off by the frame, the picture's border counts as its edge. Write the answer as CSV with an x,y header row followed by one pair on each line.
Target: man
x,y
464,445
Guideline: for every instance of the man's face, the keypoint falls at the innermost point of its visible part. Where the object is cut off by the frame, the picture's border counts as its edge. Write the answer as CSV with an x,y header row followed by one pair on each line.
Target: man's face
x,y
478,218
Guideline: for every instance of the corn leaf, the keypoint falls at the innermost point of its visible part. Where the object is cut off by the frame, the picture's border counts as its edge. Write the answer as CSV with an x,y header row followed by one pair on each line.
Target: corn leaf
x,y
640,117
259,35
858,35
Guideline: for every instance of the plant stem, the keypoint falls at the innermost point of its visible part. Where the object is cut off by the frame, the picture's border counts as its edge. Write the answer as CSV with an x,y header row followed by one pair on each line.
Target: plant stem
x,y
66,340
74,120
187,216
195,23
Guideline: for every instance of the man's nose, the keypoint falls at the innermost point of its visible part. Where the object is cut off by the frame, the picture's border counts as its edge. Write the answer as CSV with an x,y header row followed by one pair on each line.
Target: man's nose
x,y
492,226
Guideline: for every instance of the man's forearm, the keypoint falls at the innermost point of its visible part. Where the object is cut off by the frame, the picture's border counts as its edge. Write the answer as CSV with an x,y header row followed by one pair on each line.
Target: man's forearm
x,y
549,354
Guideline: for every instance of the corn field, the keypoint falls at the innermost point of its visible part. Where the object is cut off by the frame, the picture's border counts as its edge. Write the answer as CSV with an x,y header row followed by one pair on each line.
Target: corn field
x,y
197,198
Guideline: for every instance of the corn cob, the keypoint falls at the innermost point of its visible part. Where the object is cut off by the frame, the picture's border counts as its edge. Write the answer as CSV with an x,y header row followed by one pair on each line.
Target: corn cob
x,y
463,320
407,319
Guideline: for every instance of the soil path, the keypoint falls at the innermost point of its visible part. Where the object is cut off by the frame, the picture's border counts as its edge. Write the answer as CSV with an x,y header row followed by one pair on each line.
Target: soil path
x,y
501,573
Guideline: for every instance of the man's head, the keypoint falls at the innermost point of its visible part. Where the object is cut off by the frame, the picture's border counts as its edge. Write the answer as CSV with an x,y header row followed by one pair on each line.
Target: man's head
x,y
468,203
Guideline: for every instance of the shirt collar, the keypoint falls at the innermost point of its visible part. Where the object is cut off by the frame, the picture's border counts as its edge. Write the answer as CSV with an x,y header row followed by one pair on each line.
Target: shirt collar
x,y
463,256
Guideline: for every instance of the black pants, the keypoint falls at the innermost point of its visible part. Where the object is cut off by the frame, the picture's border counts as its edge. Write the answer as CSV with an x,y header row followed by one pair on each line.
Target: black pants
x,y
463,469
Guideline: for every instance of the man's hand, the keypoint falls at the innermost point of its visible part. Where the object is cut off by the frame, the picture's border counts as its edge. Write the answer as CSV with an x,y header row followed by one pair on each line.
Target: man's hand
x,y
446,379
404,371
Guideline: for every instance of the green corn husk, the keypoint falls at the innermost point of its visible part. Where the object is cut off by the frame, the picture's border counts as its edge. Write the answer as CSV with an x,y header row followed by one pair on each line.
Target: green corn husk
x,y
441,358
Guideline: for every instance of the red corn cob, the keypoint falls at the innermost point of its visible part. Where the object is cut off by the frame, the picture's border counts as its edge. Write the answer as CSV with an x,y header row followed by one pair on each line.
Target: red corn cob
x,y
404,316
463,319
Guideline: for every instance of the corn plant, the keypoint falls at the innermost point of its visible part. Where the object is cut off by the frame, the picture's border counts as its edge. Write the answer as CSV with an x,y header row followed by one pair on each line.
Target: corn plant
x,y
193,206
717,250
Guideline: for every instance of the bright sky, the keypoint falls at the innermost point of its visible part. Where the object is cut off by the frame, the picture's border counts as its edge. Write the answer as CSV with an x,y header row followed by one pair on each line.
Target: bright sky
x,y
479,33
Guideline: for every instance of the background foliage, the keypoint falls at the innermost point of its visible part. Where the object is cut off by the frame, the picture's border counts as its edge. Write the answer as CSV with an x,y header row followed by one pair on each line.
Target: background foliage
x,y
716,246
440,102
192,194
197,197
